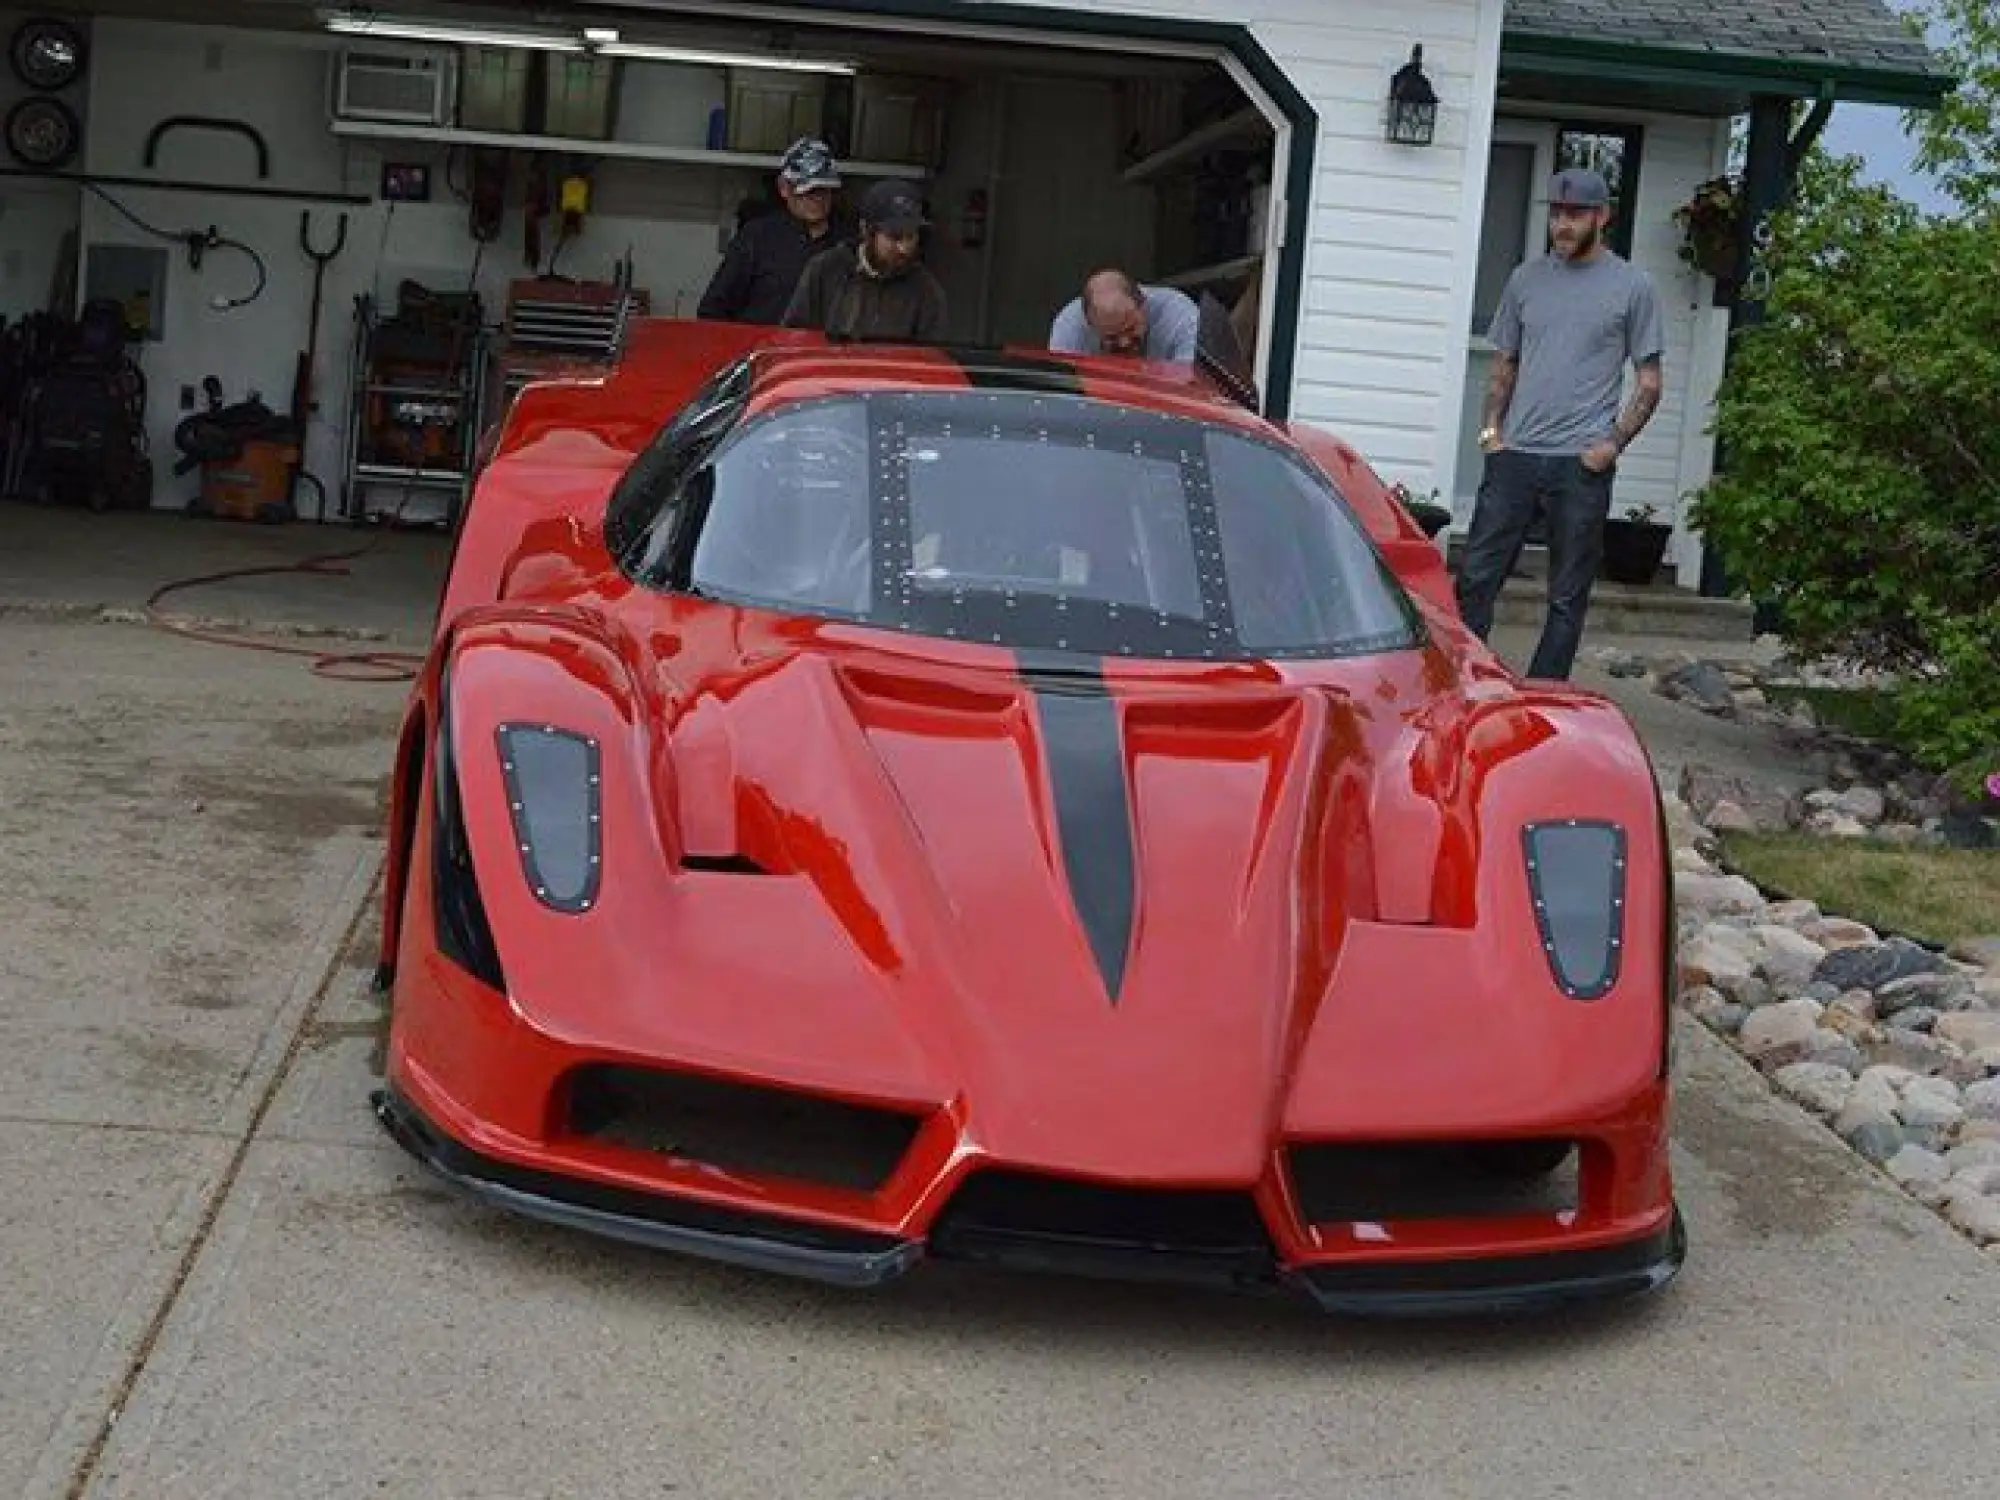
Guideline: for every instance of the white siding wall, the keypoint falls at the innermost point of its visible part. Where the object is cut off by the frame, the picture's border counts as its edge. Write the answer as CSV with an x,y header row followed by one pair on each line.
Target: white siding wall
x,y
1391,239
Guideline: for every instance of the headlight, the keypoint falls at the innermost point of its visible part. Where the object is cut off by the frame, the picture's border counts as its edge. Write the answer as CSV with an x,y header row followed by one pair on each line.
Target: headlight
x,y
1576,876
555,796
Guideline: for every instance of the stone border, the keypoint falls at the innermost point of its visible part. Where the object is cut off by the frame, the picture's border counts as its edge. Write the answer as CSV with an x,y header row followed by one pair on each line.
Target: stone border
x,y
1893,1045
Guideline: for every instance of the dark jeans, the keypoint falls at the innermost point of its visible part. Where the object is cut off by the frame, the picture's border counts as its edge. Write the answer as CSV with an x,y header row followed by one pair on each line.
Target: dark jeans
x,y
1576,502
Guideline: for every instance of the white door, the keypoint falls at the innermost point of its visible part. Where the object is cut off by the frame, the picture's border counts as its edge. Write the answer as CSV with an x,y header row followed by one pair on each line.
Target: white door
x,y
1514,226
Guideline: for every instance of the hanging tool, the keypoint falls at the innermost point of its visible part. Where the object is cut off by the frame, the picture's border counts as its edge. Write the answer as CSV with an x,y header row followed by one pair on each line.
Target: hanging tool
x,y
303,404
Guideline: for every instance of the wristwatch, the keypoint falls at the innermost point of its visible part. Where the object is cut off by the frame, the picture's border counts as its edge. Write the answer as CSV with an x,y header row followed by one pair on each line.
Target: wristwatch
x,y
1488,437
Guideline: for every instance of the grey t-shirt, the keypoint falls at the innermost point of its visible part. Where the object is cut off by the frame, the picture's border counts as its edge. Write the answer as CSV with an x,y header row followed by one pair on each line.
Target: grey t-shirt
x,y
1573,328
1172,321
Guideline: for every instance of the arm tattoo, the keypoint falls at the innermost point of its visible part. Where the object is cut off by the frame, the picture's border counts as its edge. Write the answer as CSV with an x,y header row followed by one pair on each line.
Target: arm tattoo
x,y
1500,388
1639,410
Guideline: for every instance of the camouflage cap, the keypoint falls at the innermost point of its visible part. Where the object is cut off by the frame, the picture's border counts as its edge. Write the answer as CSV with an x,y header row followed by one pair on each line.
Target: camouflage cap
x,y
808,164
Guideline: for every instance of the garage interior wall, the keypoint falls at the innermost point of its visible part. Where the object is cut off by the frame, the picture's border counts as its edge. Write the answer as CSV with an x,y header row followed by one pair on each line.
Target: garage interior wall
x,y
1389,246
673,218
35,214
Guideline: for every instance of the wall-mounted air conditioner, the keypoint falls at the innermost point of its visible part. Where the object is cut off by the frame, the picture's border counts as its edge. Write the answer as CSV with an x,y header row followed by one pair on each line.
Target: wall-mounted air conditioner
x,y
408,88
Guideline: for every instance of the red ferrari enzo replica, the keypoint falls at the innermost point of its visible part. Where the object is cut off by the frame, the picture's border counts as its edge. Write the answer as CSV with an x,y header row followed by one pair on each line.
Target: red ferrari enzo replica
x,y
866,804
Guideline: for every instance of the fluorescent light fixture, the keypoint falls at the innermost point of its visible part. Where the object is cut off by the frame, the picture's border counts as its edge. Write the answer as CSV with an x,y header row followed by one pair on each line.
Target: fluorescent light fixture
x,y
665,52
432,31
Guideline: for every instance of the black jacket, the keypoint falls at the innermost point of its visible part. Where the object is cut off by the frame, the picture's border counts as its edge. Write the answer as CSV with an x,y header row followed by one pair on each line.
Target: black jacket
x,y
837,297
761,268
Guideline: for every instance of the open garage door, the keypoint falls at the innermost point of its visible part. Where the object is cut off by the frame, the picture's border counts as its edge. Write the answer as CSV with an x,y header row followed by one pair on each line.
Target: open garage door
x,y
1049,143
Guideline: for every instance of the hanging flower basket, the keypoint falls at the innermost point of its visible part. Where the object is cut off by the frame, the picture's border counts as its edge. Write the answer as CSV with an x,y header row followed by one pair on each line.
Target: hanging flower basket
x,y
1710,224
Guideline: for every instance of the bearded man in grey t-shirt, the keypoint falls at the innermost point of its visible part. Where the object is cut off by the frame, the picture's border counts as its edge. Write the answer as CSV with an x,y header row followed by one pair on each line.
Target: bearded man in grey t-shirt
x,y
1568,324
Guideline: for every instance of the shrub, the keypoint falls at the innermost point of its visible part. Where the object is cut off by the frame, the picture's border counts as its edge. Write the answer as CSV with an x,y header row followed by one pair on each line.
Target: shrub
x,y
1861,432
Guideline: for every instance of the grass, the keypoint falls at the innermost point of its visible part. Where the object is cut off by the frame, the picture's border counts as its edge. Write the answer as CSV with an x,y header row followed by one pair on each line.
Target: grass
x,y
1932,895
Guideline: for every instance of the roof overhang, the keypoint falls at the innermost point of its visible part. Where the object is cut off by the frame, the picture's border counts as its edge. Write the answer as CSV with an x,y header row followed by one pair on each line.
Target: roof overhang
x,y
1704,80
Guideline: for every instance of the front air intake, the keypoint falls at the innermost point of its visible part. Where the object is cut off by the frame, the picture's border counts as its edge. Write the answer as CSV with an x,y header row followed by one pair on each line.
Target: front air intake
x,y
1370,1183
1057,1224
740,1127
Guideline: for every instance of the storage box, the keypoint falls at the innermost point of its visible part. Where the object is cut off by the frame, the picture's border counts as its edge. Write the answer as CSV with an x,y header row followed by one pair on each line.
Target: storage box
x,y
768,109
253,486
577,96
493,89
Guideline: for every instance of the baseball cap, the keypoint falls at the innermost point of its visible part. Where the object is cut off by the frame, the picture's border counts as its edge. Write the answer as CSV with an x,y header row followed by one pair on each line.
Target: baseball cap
x,y
1579,187
807,164
894,206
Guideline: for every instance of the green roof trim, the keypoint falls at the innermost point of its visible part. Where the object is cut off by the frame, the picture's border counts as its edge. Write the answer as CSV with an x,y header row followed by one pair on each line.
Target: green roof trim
x,y
1724,70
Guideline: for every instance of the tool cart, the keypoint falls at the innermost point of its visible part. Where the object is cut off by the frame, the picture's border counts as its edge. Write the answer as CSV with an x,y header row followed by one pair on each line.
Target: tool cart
x,y
418,383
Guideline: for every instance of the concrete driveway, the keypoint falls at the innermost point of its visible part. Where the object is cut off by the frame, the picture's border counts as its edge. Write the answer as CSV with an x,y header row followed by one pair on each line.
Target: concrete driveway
x,y
225,1283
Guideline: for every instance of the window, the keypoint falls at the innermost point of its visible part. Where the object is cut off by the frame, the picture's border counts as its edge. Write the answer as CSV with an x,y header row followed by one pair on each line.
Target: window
x,y
1030,521
1503,229
653,481
1612,150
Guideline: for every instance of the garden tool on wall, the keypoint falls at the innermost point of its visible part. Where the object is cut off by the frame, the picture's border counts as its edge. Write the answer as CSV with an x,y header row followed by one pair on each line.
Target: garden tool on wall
x,y
534,209
303,403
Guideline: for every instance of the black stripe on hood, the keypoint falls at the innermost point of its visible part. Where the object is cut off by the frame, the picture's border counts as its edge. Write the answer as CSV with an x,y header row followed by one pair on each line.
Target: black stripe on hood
x,y
1086,759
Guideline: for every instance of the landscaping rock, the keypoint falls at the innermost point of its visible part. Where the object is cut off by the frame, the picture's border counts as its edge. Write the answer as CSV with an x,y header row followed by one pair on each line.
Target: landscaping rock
x,y
1719,895
1786,958
1975,1213
1701,789
1727,817
1980,1177
1938,991
1703,684
1714,958
1688,862
1930,1104
1922,1173
1832,1048
1914,1050
1622,664
1780,1034
1973,1030
1876,1138
1749,991
1982,952
1918,1018
1820,1087
1833,933
1869,968
1864,804
1795,914
1982,1100
1975,1153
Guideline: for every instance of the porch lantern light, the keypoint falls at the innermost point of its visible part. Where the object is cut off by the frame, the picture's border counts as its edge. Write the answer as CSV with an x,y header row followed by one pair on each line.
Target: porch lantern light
x,y
1413,103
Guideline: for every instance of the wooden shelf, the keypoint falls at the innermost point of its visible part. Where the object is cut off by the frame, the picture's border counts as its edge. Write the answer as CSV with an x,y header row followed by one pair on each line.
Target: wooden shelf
x,y
1244,123
694,156
1224,270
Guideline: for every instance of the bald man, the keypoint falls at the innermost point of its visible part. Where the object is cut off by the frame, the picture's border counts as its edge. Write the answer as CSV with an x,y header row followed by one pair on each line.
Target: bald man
x,y
1117,315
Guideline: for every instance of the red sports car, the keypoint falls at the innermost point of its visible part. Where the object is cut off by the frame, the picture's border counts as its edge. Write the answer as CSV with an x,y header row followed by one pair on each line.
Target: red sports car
x,y
866,804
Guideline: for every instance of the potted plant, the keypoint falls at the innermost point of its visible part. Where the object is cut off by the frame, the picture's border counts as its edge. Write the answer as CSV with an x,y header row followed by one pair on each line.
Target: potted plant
x,y
1635,545
1710,224
1428,513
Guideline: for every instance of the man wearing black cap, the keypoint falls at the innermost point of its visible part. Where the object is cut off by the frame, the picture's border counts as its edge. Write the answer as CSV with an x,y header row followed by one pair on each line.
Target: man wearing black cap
x,y
878,289
762,266
1567,325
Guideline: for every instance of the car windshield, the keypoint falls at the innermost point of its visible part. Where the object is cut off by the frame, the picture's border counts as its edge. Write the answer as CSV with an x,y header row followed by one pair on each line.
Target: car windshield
x,y
1028,520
